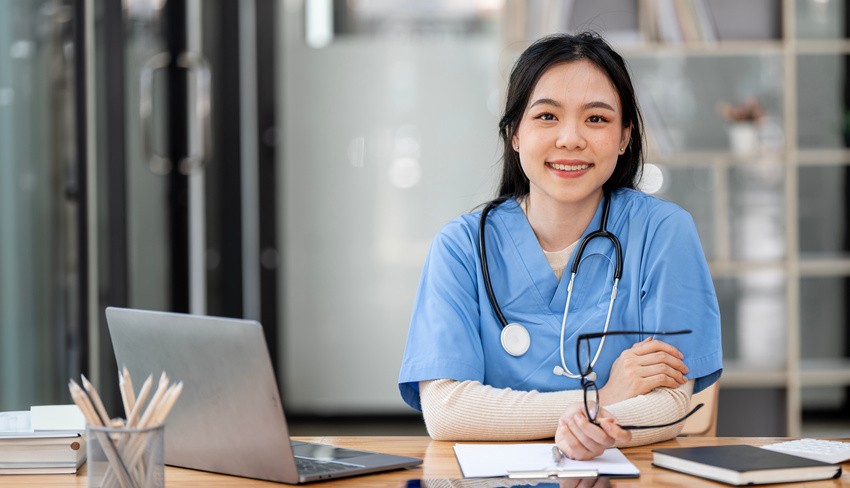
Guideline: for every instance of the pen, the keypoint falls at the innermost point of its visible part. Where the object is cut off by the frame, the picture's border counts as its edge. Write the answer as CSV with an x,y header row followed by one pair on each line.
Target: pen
x,y
558,456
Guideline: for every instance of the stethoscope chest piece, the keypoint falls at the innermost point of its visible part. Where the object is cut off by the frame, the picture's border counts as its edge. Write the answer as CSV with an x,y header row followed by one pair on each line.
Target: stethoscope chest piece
x,y
515,339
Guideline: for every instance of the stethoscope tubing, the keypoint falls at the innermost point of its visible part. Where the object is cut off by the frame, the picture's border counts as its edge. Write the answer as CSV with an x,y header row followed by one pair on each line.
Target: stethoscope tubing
x,y
618,272
485,272
564,371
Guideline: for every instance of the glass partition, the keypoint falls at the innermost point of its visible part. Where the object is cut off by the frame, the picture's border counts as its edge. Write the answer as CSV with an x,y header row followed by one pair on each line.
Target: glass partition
x,y
823,213
820,19
39,336
694,190
682,97
386,138
821,118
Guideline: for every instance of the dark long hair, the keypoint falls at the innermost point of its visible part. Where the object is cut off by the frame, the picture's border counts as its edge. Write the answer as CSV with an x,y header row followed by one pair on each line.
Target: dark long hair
x,y
532,63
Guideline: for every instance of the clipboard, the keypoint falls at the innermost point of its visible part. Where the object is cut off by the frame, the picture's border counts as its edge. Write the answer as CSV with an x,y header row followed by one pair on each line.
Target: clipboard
x,y
537,461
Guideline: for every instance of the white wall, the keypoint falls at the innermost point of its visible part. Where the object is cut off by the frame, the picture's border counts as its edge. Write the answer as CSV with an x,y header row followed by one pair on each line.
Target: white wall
x,y
384,141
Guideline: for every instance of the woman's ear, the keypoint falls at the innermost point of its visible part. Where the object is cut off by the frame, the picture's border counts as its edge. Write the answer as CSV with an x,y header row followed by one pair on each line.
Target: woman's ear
x,y
515,142
625,137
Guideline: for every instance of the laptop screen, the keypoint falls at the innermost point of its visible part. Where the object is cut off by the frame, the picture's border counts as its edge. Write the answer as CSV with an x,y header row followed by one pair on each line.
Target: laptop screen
x,y
229,418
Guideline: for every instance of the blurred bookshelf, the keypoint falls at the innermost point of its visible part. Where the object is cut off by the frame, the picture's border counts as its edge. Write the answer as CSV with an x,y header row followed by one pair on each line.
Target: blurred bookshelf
x,y
770,203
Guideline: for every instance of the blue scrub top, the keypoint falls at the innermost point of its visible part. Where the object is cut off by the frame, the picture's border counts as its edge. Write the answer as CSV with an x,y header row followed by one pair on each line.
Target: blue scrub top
x,y
665,286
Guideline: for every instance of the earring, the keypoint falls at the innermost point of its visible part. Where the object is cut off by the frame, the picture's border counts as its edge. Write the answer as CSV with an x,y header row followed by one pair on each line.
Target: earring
x,y
622,150
516,147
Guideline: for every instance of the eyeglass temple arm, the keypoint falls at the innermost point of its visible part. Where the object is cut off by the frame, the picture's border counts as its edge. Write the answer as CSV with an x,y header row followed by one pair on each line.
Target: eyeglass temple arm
x,y
638,427
597,335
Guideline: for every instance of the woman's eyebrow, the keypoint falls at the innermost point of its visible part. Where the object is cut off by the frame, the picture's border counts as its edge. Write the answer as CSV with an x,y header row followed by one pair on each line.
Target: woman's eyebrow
x,y
545,101
586,106
599,104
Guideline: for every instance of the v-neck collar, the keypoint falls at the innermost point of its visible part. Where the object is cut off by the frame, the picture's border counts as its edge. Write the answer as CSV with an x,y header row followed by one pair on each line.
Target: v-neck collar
x,y
551,292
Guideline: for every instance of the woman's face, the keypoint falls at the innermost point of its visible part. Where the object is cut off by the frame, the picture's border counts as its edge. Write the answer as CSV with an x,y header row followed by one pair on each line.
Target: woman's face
x,y
571,134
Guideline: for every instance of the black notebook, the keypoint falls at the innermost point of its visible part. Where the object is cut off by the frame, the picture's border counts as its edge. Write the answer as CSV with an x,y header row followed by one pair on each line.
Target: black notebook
x,y
743,465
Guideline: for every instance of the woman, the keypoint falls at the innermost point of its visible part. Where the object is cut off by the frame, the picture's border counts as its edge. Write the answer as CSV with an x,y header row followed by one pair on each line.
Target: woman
x,y
572,152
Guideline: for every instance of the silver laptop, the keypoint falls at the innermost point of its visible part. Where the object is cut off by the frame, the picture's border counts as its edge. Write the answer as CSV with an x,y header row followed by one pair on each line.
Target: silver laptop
x,y
229,418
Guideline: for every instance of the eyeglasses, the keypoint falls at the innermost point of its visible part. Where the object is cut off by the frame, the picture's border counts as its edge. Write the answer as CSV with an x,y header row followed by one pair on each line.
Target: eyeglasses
x,y
588,383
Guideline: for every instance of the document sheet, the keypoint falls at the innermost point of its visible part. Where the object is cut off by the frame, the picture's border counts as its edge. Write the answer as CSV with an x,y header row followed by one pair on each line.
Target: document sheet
x,y
492,460
43,421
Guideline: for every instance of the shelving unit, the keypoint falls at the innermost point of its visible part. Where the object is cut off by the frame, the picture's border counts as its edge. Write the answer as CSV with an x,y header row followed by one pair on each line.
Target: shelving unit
x,y
720,186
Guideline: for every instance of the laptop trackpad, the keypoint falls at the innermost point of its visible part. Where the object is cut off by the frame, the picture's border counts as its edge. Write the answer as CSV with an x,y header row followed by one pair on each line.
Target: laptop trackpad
x,y
323,452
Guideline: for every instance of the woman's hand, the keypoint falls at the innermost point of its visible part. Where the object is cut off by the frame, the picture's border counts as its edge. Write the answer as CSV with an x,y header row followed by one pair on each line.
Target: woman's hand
x,y
578,438
647,365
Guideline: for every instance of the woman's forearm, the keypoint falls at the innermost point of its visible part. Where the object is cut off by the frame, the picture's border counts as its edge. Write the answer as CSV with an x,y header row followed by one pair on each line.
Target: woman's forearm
x,y
468,410
660,406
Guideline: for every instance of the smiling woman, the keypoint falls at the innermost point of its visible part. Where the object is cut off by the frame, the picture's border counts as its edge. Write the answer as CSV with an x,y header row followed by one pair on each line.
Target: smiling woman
x,y
575,134
572,139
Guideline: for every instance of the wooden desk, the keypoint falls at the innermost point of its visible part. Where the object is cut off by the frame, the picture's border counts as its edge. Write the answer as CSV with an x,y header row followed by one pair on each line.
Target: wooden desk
x,y
439,462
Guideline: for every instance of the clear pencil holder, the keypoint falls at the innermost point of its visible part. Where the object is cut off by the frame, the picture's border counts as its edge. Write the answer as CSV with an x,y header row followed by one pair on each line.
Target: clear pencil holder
x,y
125,458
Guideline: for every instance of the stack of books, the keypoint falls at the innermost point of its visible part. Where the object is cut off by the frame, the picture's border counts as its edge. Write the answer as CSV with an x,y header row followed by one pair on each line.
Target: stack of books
x,y
44,440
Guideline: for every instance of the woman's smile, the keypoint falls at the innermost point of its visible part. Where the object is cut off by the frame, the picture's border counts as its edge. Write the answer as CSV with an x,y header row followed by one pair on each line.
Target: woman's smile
x,y
569,169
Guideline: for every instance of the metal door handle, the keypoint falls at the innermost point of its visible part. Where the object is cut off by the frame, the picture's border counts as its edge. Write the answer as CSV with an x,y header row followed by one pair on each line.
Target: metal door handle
x,y
199,122
158,164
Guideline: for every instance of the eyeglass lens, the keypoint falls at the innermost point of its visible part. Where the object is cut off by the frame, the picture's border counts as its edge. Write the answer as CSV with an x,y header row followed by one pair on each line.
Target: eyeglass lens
x,y
584,357
588,383
591,400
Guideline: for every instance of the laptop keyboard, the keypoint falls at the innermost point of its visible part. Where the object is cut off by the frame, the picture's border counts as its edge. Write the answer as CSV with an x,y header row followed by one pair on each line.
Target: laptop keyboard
x,y
308,467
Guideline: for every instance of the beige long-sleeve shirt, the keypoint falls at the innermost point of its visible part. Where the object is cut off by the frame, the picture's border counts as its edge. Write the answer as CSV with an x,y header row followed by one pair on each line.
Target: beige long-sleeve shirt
x,y
471,411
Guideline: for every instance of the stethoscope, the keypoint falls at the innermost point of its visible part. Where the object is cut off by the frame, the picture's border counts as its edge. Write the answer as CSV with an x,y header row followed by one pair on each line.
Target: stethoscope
x,y
515,337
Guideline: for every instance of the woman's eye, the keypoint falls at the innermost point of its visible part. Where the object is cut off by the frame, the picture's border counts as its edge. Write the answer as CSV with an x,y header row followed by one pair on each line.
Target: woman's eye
x,y
596,119
546,116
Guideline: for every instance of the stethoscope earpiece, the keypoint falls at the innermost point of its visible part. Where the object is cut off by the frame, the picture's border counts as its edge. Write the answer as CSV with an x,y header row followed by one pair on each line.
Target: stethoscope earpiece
x,y
515,339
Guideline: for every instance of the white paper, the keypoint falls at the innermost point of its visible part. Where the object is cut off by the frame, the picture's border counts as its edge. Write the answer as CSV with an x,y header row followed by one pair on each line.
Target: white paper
x,y
18,421
491,460
57,417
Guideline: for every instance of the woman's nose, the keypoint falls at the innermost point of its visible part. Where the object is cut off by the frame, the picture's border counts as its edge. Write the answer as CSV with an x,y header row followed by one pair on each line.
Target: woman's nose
x,y
570,136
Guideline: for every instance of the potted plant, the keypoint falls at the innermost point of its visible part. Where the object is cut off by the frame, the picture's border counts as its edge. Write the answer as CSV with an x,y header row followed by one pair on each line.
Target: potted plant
x,y
744,119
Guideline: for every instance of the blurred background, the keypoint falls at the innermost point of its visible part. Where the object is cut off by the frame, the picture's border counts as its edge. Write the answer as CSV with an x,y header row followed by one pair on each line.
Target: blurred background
x,y
289,161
